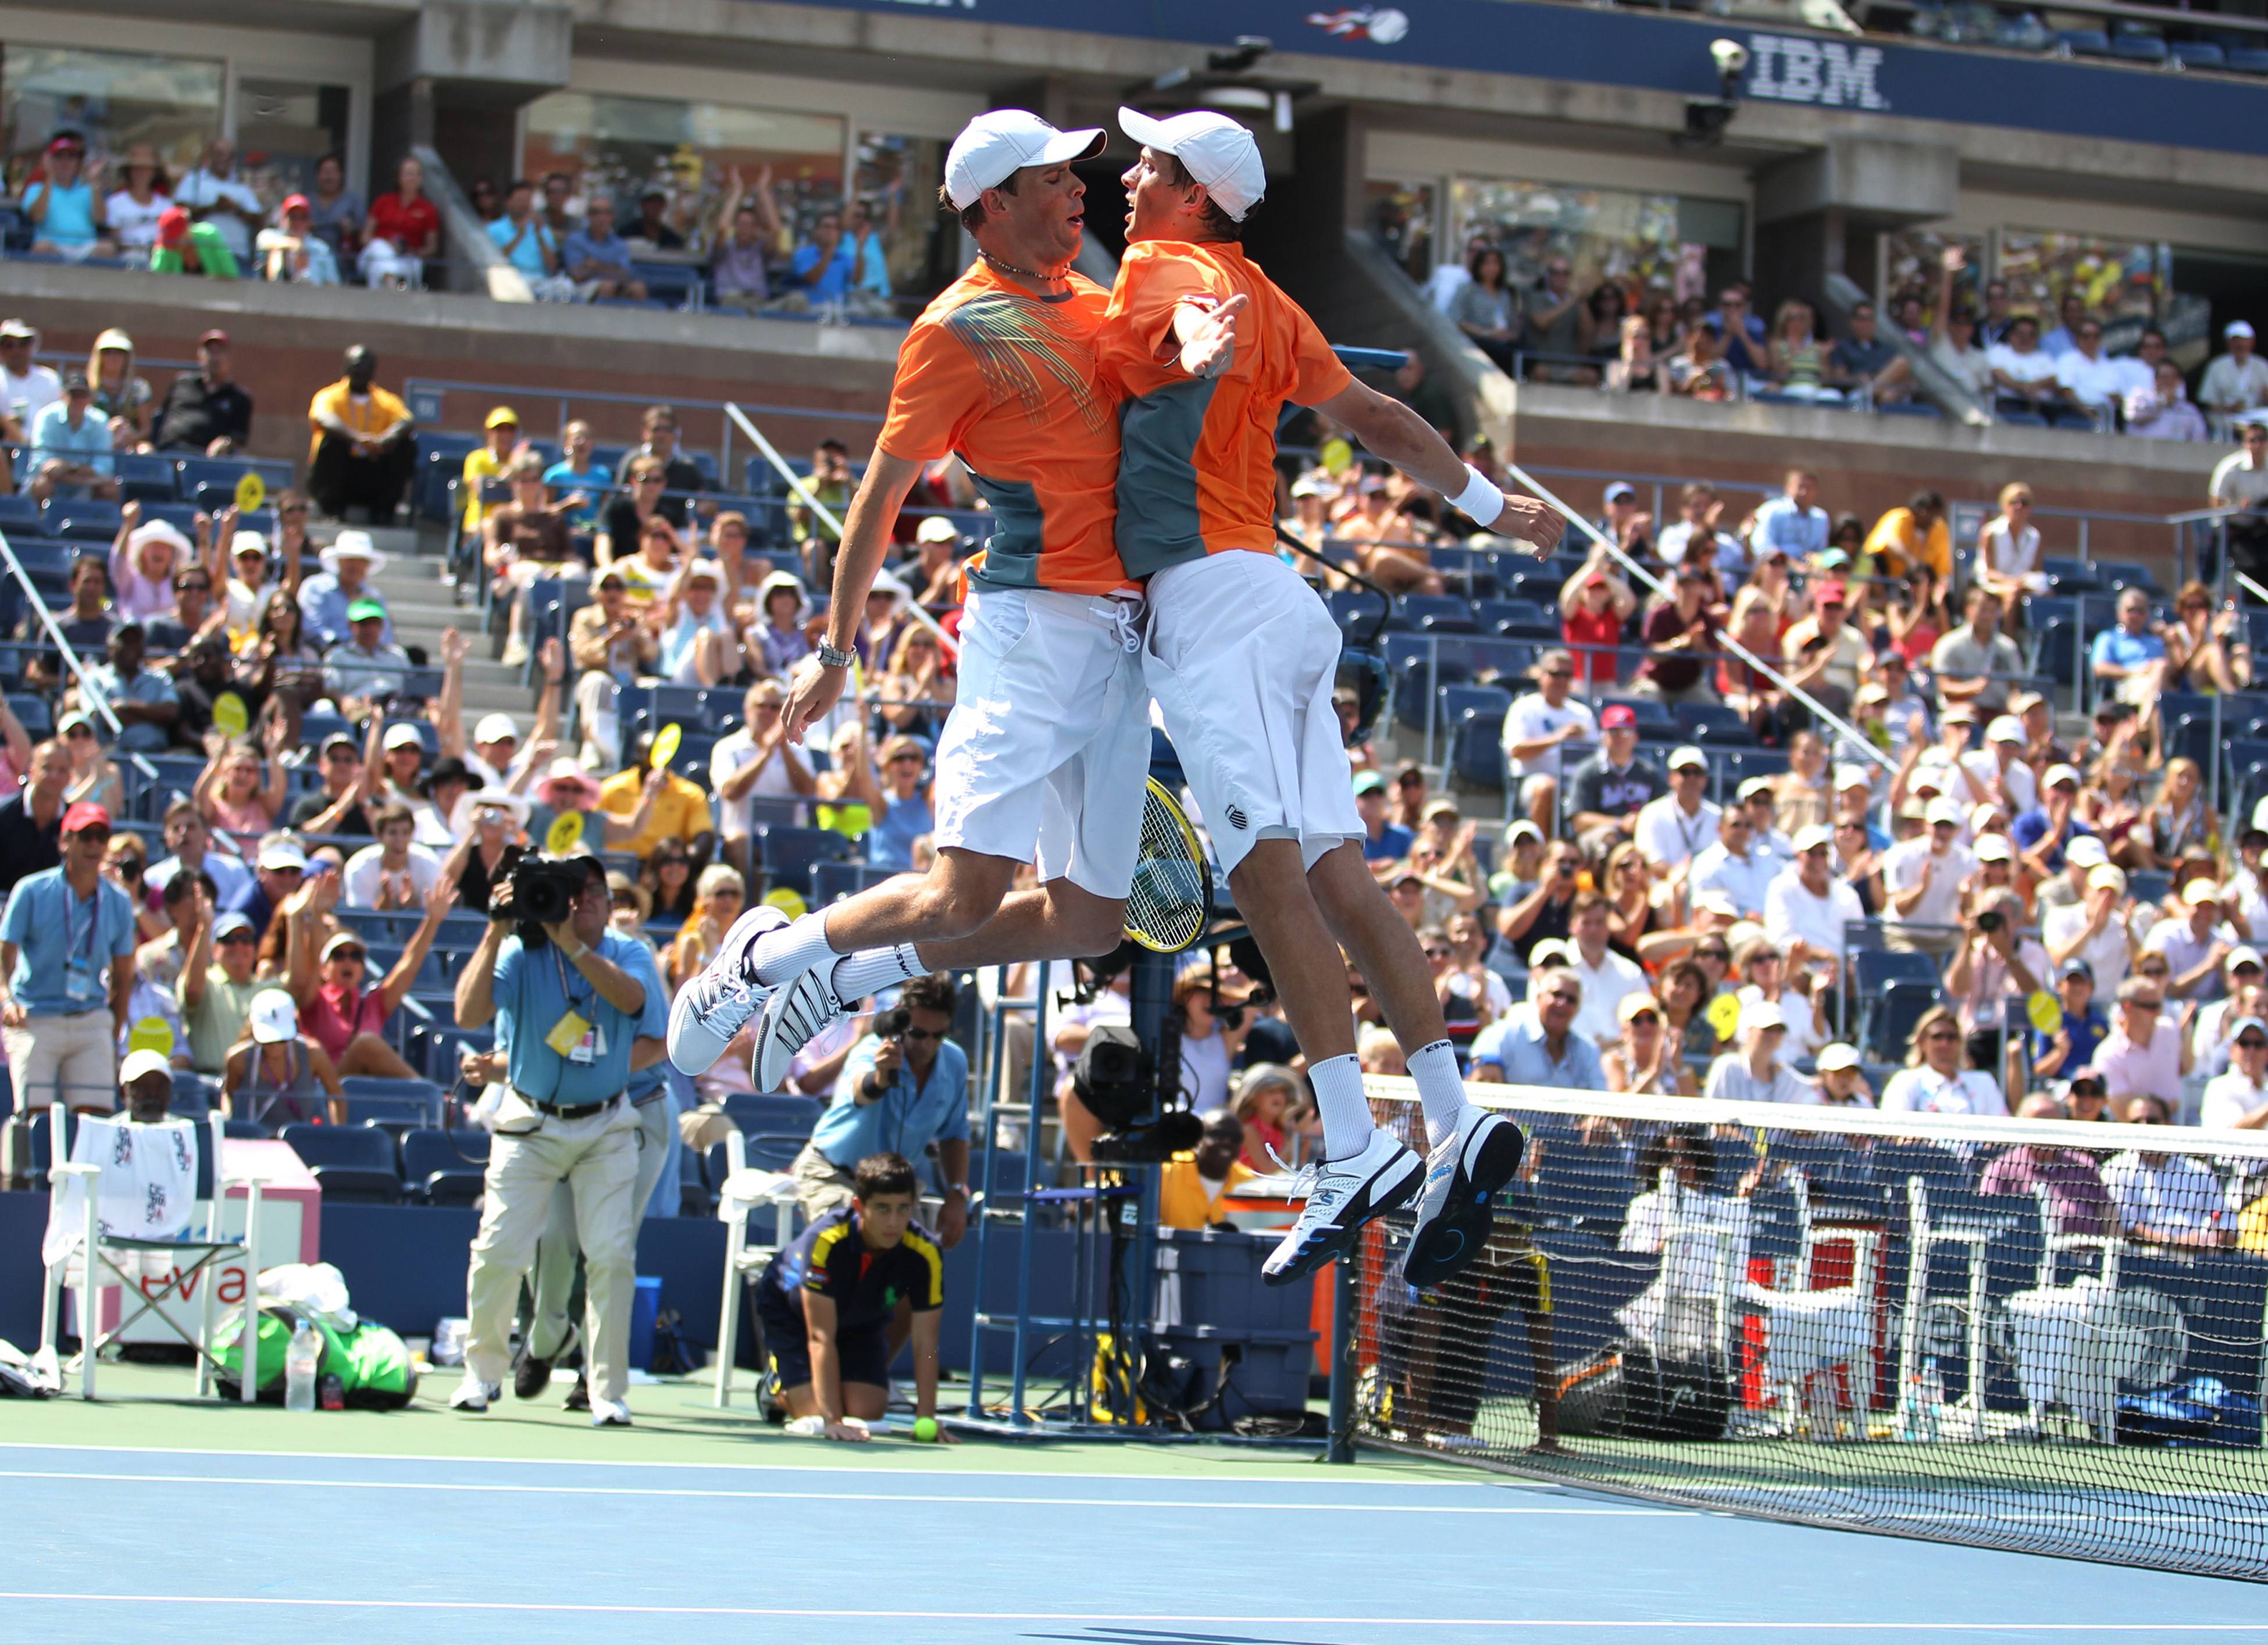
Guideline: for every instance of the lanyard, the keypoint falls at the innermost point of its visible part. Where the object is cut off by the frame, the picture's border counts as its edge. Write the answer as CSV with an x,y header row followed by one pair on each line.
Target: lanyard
x,y
94,920
567,991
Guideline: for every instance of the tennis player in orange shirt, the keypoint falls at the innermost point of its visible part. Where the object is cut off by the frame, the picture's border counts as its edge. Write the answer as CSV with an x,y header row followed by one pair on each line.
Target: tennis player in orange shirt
x,y
1043,755
1241,657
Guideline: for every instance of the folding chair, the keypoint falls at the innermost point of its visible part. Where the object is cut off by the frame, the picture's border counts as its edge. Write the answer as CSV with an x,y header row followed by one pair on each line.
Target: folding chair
x,y
86,1221
745,1189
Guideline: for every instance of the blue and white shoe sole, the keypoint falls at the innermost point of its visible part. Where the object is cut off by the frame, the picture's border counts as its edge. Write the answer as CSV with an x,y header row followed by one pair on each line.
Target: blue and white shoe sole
x,y
1457,1236
1366,1208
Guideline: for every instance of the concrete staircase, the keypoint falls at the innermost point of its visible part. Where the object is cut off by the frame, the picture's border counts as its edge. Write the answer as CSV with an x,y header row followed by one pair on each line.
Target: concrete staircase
x,y
423,602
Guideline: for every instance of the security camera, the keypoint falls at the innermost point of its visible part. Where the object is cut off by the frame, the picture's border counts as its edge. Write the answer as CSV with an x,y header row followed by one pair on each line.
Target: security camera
x,y
1732,57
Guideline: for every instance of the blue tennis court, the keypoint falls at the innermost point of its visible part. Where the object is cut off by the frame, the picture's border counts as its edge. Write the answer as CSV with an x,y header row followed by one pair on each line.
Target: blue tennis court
x,y
984,1542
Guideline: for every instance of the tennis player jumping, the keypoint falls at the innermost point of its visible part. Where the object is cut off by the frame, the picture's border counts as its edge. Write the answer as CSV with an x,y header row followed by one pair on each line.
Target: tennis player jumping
x,y
1044,753
1241,657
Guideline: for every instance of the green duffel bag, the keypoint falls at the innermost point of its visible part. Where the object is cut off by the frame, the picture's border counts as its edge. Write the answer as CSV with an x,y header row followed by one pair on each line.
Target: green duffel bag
x,y
371,1364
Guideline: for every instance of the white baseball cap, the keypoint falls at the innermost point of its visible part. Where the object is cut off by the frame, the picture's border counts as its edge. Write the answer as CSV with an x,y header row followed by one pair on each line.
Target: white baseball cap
x,y
2237,328
1837,1055
996,145
1945,812
2005,728
1993,847
2086,850
1852,777
1688,755
140,1064
1213,149
495,728
274,1018
2054,775
1812,837
1761,1014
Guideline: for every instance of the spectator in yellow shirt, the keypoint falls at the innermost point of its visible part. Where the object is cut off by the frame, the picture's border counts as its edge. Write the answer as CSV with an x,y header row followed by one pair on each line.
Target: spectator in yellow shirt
x,y
490,462
363,445
1915,533
1194,1182
680,808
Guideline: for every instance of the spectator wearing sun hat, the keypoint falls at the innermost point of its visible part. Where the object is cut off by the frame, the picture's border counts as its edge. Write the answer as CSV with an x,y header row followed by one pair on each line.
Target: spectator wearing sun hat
x,y
67,972
1752,1071
1842,1084
1809,908
1922,878
348,566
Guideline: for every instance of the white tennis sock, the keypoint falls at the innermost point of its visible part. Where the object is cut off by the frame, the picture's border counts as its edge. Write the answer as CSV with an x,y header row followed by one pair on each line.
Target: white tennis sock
x,y
871,968
1441,1088
796,947
1345,1109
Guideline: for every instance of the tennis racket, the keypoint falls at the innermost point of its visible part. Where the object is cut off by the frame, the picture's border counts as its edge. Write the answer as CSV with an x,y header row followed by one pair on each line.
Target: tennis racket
x,y
1171,902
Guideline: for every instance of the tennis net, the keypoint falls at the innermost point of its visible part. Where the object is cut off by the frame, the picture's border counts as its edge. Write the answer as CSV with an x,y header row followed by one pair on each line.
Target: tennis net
x,y
2023,1334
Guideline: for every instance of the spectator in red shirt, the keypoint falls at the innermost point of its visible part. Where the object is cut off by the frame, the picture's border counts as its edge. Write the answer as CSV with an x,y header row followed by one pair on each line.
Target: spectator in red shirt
x,y
1593,604
403,231
334,1011
1679,633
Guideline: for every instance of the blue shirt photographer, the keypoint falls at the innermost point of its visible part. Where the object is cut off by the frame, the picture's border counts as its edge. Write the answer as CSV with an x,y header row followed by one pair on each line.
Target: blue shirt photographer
x,y
905,1118
532,991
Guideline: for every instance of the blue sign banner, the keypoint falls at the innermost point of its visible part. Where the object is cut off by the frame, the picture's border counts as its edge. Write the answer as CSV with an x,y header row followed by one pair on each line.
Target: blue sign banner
x,y
1654,53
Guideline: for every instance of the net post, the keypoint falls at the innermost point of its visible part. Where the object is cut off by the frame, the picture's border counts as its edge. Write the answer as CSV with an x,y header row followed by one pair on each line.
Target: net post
x,y
1346,1311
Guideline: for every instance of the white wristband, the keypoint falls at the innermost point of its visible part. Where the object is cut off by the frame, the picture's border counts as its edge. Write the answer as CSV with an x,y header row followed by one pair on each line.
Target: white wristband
x,y
1482,500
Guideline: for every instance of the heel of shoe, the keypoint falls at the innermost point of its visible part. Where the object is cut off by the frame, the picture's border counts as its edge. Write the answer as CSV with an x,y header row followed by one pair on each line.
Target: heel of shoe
x,y
1498,1158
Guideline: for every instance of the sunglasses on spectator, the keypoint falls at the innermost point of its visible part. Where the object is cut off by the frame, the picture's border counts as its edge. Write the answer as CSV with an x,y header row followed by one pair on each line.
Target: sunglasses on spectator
x,y
1558,673
1636,1018
1715,953
918,1035
78,731
2147,1005
354,954
905,759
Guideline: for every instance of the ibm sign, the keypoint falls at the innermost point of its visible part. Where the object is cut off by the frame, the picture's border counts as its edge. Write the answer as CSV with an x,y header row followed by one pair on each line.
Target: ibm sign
x,y
1789,69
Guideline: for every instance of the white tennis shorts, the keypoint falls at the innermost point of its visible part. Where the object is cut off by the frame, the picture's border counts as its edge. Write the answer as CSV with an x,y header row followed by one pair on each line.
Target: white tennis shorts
x,y
1045,751
1242,658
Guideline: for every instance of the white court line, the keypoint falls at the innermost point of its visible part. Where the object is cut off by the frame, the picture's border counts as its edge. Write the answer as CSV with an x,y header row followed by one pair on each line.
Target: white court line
x,y
981,1500
1314,1471
1119,1619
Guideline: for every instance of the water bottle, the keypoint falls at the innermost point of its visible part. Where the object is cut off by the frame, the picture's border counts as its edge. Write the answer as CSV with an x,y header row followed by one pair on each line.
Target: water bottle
x,y
299,1362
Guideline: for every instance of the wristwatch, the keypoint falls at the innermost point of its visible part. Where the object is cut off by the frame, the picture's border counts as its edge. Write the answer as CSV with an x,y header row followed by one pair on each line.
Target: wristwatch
x,y
831,657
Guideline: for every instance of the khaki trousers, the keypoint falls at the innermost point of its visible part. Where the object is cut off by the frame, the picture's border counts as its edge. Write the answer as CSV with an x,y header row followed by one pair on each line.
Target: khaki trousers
x,y
554,1277
77,1055
598,1158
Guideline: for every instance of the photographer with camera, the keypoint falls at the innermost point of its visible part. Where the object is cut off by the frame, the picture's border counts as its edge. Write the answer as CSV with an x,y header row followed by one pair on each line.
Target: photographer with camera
x,y
902,1087
570,996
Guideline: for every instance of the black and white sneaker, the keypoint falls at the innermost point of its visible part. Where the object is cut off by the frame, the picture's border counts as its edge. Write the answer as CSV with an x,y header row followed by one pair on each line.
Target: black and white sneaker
x,y
710,1012
797,1013
1342,1195
1454,1215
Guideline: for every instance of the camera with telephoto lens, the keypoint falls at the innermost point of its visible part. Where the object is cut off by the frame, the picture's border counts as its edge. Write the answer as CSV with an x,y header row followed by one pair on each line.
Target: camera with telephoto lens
x,y
891,1025
1989,920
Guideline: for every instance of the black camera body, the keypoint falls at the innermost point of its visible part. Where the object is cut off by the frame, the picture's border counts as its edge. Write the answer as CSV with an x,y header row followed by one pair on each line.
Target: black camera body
x,y
893,1023
543,890
1989,920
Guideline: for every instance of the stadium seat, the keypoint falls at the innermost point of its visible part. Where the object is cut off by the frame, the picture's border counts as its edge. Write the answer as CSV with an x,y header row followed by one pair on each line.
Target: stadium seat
x,y
2137,47
831,882
772,1112
350,1163
2149,884
787,855
2199,54
1477,752
2246,60
1656,721
1887,1021
445,1167
145,477
2083,42
422,1098
2117,575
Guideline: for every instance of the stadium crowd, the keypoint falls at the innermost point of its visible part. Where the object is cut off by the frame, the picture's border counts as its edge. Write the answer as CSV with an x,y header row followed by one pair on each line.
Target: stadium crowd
x,y
1623,334
2086,924
742,243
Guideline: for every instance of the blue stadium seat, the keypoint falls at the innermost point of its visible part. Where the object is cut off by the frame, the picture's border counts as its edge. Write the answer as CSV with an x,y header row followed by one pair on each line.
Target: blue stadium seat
x,y
1434,613
18,512
350,1163
2138,48
2247,60
773,1112
2069,575
420,1098
2083,42
444,1167
2149,884
788,855
2117,575
1887,1021
145,477
1656,721
2199,54
831,882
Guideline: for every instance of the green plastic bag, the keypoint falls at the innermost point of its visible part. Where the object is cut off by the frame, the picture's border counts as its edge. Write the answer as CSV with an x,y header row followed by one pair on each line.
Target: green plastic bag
x,y
371,1364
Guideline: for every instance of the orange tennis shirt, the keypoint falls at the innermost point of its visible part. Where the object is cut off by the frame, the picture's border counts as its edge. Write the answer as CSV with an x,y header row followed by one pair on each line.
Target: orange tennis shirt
x,y
1006,379
1197,471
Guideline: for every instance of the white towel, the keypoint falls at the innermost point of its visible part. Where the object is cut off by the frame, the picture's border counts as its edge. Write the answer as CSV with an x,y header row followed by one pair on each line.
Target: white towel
x,y
147,1189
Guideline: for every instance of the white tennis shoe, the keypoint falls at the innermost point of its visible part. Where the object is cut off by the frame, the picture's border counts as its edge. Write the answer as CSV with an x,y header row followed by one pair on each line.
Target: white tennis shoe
x,y
710,1012
1342,1195
798,1012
